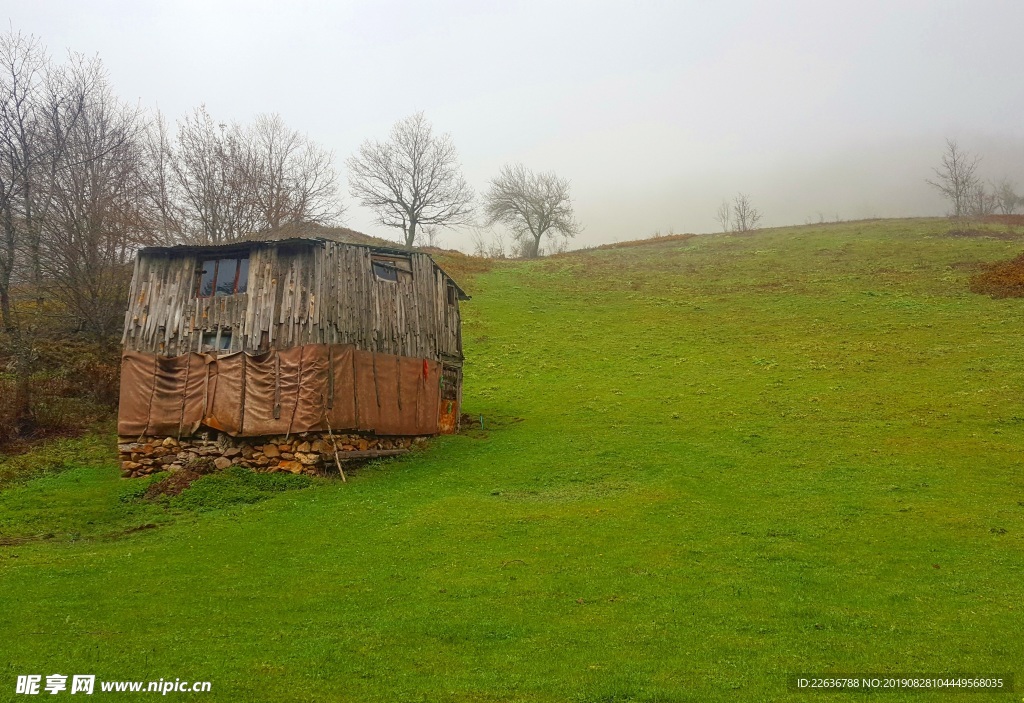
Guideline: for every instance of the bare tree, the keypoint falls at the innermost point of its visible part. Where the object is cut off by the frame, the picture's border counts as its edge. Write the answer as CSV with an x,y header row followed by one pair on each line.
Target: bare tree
x,y
294,178
1005,192
531,205
216,182
724,216
97,217
23,69
745,216
161,194
412,180
956,178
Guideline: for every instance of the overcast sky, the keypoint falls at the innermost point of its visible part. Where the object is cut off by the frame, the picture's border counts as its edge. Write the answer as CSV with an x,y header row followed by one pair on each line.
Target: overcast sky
x,y
654,111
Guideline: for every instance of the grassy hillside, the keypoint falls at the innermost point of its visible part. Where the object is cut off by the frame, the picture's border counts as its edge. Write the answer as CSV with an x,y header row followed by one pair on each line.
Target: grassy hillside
x,y
704,464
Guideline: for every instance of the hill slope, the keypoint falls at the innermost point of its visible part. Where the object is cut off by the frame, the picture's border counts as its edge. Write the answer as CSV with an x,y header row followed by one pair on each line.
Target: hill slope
x,y
704,464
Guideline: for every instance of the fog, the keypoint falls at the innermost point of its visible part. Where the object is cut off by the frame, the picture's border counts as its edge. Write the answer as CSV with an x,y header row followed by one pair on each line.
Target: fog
x,y
656,112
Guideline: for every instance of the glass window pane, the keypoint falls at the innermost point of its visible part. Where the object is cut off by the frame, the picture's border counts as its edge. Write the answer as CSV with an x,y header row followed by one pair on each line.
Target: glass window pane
x,y
243,275
384,272
206,279
226,276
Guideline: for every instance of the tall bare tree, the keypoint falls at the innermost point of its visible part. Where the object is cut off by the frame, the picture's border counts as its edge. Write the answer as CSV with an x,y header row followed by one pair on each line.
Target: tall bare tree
x,y
294,178
23,70
97,215
956,178
216,182
412,180
745,216
531,205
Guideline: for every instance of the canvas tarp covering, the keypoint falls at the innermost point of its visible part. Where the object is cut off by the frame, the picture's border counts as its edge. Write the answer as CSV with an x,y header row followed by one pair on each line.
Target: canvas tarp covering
x,y
314,387
162,395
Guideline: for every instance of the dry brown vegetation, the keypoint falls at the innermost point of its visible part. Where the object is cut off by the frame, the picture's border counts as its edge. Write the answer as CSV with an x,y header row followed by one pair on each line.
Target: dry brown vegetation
x,y
1004,279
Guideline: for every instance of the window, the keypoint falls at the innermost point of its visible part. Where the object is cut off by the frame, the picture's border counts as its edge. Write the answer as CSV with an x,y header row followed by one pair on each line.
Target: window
x,y
210,341
226,276
452,295
385,272
392,268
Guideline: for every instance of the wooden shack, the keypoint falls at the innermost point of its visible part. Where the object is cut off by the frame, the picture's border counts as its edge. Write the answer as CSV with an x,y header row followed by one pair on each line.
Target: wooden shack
x,y
287,352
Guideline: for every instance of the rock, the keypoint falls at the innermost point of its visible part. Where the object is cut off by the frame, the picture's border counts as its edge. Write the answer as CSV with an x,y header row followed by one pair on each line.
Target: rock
x,y
292,466
302,447
222,462
146,462
363,445
261,461
159,452
233,452
287,455
124,448
167,460
170,442
271,450
130,466
348,447
284,447
308,459
319,446
248,452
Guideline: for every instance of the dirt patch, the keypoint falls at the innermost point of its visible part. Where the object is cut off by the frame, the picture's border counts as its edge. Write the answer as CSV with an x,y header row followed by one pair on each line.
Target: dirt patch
x,y
177,482
1004,279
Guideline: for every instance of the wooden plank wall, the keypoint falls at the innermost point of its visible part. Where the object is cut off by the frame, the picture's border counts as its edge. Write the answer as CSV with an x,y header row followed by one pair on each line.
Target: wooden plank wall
x,y
323,292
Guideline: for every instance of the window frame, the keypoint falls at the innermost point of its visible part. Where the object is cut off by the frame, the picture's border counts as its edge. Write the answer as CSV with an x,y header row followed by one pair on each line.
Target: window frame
x,y
201,266
400,266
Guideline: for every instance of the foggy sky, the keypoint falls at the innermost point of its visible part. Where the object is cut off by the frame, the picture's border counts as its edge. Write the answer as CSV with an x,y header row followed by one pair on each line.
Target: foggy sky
x,y
654,111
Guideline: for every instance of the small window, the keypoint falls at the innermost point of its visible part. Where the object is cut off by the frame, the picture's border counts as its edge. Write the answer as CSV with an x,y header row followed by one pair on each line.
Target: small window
x,y
392,268
226,276
210,341
452,295
384,272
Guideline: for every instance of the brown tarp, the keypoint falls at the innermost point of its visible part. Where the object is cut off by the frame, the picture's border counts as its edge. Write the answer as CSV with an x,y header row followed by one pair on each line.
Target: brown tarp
x,y
341,389
162,395
300,389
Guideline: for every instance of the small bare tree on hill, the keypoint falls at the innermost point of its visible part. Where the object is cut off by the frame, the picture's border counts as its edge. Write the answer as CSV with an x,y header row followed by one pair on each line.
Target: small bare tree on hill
x,y
531,205
412,180
956,178
745,216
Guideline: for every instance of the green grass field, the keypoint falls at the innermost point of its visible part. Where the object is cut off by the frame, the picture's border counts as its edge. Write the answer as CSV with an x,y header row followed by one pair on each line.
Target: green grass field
x,y
704,465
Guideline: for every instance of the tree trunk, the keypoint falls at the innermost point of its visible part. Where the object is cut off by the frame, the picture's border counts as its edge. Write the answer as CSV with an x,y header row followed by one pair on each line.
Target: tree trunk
x,y
5,310
535,249
410,234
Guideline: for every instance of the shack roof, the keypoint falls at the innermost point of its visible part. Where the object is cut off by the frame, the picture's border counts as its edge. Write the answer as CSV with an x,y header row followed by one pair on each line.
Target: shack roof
x,y
303,233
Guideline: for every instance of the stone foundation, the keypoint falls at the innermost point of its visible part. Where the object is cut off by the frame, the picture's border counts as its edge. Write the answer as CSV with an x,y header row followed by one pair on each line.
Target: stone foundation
x,y
305,453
